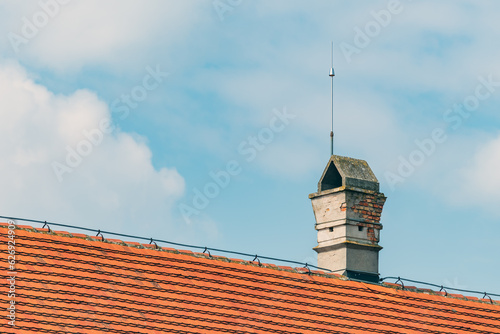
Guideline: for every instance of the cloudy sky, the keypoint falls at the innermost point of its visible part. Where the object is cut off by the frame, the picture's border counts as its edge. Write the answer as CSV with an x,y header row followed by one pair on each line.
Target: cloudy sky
x,y
207,122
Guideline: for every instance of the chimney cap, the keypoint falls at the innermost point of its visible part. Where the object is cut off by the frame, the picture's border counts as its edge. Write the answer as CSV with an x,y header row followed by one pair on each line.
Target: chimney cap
x,y
347,172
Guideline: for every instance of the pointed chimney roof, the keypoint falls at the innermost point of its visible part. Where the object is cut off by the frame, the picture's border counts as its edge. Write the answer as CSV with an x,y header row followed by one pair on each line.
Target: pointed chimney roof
x,y
347,172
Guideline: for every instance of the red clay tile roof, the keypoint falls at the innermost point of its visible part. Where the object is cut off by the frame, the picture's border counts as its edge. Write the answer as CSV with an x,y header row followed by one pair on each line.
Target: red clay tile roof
x,y
69,284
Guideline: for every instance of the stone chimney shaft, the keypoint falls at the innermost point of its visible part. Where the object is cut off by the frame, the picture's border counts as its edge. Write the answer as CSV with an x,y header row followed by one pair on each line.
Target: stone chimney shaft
x,y
347,208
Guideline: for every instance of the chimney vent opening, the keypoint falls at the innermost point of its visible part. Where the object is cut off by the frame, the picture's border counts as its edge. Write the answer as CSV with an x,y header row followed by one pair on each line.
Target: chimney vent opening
x,y
332,178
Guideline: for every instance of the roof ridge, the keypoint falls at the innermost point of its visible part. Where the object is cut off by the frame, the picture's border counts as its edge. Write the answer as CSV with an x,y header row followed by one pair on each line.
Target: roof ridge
x,y
296,270
299,270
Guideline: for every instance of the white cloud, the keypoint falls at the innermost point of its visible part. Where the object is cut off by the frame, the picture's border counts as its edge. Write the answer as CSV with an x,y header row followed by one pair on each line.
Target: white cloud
x,y
478,183
427,48
411,58
115,186
83,33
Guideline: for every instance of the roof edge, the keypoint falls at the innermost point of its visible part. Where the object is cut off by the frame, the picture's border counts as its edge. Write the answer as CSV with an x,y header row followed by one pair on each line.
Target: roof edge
x,y
300,270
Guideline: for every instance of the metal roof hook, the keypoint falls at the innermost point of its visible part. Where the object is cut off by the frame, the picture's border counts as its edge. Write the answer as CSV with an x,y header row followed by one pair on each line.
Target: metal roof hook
x,y
445,292
102,236
257,258
206,250
402,284
48,227
154,242
307,267
486,295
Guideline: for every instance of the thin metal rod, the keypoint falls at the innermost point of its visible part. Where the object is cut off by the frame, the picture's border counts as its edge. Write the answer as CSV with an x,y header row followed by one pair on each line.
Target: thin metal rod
x,y
331,132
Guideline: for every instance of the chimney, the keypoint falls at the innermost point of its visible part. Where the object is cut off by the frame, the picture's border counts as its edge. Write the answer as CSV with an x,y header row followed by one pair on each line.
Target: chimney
x,y
347,208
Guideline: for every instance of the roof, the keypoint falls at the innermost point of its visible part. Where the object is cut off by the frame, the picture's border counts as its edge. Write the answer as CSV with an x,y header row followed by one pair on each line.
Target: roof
x,y
73,283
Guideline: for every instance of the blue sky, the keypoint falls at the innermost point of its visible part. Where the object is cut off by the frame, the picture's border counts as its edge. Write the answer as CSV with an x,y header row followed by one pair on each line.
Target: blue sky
x,y
170,93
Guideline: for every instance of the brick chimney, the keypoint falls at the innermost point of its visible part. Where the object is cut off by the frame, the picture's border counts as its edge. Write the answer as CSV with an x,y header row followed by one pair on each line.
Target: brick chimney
x,y
347,208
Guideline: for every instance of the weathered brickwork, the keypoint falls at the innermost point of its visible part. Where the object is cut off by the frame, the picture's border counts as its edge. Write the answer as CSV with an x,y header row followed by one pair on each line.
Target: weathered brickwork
x,y
370,208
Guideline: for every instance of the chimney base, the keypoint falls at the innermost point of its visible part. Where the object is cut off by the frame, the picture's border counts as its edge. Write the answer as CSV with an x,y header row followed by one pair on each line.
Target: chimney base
x,y
362,276
351,259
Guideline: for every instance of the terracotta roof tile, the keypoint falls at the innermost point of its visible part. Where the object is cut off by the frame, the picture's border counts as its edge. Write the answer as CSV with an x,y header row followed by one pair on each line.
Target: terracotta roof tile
x,y
22,226
78,235
81,284
170,249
